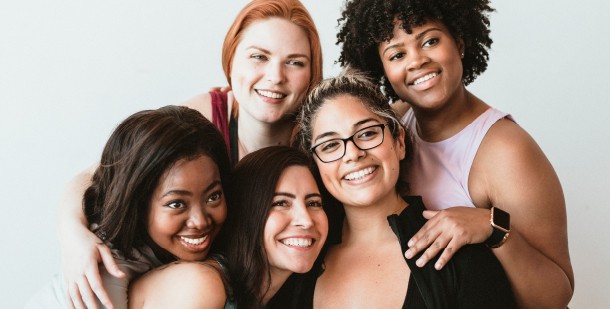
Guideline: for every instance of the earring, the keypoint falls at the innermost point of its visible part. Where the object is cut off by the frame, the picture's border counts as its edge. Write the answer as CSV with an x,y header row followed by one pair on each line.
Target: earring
x,y
462,55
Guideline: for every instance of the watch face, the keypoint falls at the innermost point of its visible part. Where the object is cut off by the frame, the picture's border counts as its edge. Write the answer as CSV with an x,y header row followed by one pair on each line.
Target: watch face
x,y
501,218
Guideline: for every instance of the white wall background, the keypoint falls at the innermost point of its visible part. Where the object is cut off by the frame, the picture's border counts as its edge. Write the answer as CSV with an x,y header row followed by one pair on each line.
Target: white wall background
x,y
71,70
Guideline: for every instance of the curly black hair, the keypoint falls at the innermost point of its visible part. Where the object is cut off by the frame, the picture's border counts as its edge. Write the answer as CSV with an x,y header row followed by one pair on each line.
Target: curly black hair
x,y
364,24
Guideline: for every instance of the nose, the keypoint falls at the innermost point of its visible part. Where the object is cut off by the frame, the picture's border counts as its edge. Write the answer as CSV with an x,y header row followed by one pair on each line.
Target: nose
x,y
352,153
417,59
301,216
275,72
198,219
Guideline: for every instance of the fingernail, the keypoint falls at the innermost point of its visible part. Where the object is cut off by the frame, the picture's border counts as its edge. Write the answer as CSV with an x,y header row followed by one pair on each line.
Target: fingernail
x,y
411,243
419,263
438,265
409,254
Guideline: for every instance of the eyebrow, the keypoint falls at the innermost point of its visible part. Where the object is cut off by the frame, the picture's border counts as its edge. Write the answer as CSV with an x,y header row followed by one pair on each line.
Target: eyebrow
x,y
268,52
189,193
290,195
417,37
357,124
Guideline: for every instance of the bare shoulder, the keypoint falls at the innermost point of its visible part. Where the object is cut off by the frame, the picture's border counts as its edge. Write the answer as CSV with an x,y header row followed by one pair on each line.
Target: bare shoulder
x,y
512,172
181,285
507,142
201,103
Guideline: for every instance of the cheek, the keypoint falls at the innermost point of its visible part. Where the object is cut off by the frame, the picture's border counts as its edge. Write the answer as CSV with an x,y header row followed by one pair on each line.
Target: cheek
x,y
161,225
273,226
322,223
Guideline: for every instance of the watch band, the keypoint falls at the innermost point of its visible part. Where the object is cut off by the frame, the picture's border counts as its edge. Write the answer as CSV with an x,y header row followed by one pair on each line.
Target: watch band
x,y
500,223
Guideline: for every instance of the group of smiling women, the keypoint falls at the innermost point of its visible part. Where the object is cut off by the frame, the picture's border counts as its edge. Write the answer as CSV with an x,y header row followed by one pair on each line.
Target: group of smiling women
x,y
290,191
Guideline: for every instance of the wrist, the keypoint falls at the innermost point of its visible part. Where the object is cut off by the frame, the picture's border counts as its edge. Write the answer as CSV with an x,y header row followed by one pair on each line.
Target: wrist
x,y
500,224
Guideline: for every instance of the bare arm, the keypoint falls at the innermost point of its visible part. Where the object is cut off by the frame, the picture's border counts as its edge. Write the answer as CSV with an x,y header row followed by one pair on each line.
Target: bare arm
x,y
512,173
181,285
519,179
81,250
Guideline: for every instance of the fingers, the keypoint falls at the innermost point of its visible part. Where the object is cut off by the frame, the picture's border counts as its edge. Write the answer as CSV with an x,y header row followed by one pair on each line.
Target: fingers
x,y
109,262
75,293
94,281
422,239
429,214
448,253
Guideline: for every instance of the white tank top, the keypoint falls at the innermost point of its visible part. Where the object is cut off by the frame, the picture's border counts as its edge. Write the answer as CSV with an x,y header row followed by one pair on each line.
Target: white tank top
x,y
439,171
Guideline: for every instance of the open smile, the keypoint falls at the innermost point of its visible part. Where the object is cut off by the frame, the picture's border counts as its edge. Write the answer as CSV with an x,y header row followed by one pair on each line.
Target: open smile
x,y
360,174
270,94
195,243
424,78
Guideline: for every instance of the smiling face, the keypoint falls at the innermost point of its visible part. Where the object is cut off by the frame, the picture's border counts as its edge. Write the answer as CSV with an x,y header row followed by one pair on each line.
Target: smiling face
x,y
187,209
361,177
425,67
297,226
271,69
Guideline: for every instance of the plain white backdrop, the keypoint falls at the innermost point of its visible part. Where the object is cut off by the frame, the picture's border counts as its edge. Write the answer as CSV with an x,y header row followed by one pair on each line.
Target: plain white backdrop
x,y
70,71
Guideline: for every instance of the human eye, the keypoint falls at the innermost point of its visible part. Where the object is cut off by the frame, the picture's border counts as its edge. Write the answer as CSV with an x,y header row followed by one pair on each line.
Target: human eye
x,y
215,196
314,203
430,42
259,57
280,203
176,204
367,133
296,63
329,146
397,56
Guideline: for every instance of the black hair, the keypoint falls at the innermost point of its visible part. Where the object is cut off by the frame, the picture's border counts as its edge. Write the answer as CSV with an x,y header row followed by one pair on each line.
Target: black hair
x,y
367,23
138,152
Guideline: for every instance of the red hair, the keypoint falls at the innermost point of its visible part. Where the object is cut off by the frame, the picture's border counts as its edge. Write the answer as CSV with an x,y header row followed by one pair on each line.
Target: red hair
x,y
291,10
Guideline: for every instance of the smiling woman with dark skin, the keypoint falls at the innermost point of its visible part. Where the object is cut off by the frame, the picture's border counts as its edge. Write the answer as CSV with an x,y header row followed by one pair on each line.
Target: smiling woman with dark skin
x,y
468,154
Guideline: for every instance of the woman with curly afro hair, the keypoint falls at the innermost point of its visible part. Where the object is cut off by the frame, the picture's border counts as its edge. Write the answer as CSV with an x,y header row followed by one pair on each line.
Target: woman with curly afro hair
x,y
484,179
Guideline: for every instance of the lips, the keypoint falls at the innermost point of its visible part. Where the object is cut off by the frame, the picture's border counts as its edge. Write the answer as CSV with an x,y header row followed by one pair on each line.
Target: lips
x,y
271,94
195,243
423,78
299,242
359,174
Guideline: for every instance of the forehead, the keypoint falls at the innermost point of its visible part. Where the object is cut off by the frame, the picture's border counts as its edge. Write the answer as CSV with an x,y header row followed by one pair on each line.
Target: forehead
x,y
340,114
296,178
199,171
400,33
277,35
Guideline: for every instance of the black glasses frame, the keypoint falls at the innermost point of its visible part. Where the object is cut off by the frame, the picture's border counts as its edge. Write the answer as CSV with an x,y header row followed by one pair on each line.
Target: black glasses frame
x,y
351,138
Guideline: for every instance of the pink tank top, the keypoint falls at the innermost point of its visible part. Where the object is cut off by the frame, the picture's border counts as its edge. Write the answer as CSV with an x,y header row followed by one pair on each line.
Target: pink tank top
x,y
439,171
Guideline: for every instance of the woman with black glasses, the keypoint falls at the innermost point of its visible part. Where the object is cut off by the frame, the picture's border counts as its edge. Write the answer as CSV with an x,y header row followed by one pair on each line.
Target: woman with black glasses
x,y
358,146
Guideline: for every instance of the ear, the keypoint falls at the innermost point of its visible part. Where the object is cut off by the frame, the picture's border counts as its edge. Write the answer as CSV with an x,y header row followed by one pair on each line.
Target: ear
x,y
401,149
461,47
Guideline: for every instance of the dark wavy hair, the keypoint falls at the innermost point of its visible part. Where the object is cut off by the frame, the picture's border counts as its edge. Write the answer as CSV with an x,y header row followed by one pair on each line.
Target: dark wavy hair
x,y
138,152
254,181
367,23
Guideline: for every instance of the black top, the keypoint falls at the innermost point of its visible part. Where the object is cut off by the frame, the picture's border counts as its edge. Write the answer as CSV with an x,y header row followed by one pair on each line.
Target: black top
x,y
473,278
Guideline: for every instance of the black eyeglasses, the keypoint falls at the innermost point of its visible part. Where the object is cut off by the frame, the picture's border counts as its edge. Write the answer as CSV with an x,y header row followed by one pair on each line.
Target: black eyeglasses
x,y
364,139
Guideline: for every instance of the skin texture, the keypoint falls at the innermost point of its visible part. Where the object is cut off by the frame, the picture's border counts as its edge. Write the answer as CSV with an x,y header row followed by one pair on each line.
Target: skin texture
x,y
282,64
296,213
279,67
188,203
364,270
509,171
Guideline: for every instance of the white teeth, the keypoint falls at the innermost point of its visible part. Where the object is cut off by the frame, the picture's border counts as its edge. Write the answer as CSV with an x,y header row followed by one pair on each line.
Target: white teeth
x,y
424,78
269,94
194,241
360,173
297,242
